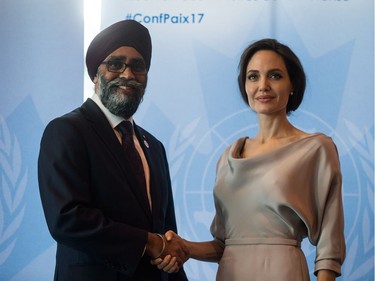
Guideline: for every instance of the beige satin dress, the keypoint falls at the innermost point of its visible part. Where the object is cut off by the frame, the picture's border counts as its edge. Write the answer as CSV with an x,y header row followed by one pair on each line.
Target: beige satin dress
x,y
267,204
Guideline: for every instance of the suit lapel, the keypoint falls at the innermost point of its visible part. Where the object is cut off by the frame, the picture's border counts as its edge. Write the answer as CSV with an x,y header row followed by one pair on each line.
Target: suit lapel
x,y
105,133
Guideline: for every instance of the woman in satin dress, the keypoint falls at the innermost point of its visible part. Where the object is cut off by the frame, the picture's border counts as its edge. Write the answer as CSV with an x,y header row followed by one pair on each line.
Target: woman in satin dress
x,y
276,188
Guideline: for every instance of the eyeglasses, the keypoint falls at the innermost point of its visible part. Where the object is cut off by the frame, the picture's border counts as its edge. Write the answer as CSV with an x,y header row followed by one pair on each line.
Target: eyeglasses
x,y
118,66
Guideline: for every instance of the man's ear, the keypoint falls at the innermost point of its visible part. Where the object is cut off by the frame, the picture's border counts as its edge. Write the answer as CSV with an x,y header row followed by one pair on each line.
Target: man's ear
x,y
95,79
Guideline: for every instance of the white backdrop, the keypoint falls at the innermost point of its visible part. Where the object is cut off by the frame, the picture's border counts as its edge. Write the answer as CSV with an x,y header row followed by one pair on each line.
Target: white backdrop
x,y
193,105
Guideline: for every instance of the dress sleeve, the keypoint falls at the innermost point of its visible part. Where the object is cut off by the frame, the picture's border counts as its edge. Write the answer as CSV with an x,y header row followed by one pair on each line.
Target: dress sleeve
x,y
330,248
218,225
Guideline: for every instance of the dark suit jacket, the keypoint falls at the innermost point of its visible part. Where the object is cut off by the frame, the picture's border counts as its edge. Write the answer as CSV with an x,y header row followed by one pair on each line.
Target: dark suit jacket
x,y
93,209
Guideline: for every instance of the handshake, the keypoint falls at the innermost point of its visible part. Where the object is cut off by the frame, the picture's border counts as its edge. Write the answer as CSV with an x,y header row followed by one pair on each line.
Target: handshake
x,y
168,252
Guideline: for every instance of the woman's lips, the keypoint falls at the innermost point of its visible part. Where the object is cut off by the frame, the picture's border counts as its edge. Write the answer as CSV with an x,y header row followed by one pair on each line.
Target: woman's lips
x,y
264,98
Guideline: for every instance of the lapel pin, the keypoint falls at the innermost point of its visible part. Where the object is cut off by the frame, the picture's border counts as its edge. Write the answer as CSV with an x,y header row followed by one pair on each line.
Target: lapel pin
x,y
145,142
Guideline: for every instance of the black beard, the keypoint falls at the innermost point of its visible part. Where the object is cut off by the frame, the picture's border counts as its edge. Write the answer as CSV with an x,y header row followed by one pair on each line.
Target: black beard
x,y
124,105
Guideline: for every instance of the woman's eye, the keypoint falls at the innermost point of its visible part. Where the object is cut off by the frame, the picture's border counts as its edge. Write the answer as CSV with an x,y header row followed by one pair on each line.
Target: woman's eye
x,y
252,77
275,76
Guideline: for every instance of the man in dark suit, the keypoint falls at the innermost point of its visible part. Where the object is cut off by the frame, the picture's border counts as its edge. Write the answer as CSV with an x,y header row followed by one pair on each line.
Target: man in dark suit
x,y
106,222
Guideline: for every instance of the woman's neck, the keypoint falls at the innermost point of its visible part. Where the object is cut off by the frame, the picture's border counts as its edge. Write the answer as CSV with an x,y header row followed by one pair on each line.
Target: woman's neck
x,y
274,128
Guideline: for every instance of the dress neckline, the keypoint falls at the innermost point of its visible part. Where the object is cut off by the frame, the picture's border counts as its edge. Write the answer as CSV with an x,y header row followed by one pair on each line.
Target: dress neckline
x,y
239,144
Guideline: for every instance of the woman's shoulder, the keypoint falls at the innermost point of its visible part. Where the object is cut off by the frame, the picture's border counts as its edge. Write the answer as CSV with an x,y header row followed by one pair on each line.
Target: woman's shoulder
x,y
322,139
324,145
234,148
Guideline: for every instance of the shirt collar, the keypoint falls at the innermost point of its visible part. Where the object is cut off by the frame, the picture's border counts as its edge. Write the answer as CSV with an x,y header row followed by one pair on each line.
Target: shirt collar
x,y
113,120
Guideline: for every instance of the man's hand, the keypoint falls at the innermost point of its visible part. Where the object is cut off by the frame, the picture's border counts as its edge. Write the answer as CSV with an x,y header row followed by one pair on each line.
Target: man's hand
x,y
168,264
176,253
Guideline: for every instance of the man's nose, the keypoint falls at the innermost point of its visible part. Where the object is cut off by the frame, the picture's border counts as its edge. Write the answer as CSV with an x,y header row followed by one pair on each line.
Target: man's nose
x,y
127,73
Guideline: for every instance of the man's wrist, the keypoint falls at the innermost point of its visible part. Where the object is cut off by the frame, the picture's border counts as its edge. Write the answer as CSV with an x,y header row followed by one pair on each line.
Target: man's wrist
x,y
155,245
163,247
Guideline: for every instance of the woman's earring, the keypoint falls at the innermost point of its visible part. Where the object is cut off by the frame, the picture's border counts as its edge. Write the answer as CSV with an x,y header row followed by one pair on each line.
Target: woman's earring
x,y
291,93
